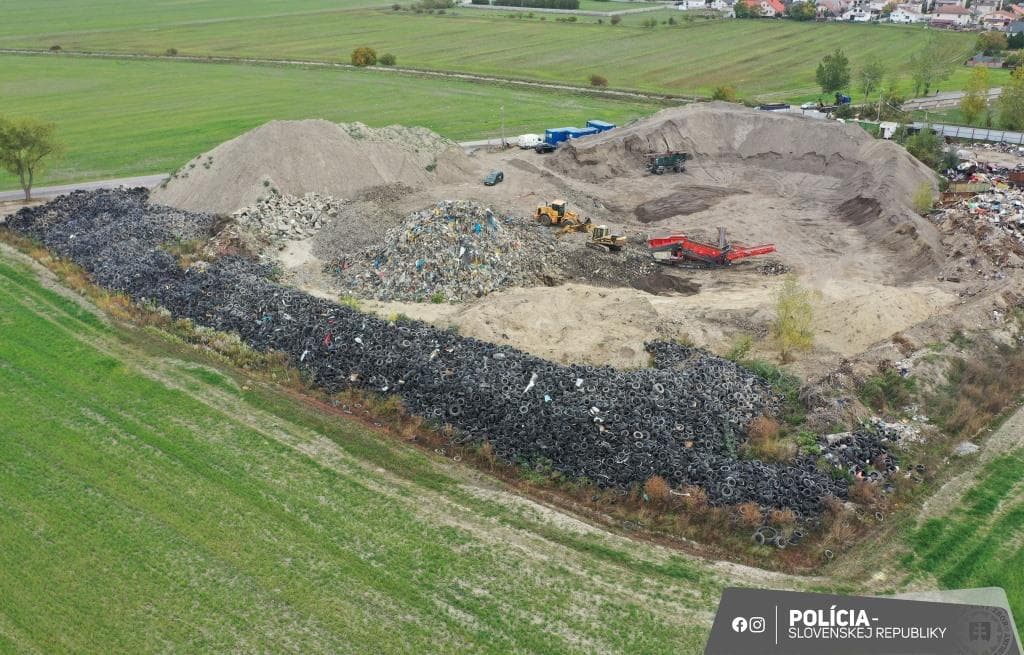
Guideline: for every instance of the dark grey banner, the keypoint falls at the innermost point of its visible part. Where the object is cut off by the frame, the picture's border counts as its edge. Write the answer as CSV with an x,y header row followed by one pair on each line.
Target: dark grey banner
x,y
752,621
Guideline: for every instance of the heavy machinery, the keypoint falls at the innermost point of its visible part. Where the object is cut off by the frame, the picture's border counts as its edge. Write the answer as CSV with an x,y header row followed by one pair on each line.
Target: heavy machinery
x,y
601,238
662,162
555,213
680,249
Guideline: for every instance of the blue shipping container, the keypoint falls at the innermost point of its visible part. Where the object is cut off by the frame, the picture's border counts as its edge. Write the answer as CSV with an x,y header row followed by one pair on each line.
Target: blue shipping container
x,y
556,135
601,125
581,132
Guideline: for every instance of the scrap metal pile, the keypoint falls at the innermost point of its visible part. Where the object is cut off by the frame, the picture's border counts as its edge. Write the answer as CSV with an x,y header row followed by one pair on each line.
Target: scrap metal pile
x,y
460,250
682,419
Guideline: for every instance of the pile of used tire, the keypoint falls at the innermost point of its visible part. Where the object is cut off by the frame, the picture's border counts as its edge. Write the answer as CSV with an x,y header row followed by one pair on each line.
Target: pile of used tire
x,y
682,419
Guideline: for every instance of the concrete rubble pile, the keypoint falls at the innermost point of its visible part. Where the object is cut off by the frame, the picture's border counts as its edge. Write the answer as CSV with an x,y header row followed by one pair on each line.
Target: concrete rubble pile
x,y
288,218
459,250
682,419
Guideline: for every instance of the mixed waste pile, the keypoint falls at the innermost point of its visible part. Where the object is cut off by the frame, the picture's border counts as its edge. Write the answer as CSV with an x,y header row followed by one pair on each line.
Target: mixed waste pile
x,y
453,250
288,217
682,419
984,202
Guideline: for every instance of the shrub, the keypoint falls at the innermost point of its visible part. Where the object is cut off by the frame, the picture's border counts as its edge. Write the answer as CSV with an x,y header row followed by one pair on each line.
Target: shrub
x,y
615,20
923,198
793,317
171,52
657,489
598,80
55,48
726,93
864,492
740,348
650,23
749,514
770,450
782,518
396,7
387,59
763,428
671,20
694,498
887,391
364,56
437,298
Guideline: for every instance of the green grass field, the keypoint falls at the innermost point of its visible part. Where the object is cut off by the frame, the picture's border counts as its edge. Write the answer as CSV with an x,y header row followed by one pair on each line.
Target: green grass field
x,y
153,502
761,58
979,543
124,118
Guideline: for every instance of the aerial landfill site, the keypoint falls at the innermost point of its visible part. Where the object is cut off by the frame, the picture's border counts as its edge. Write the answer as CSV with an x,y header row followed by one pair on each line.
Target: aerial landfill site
x,y
376,259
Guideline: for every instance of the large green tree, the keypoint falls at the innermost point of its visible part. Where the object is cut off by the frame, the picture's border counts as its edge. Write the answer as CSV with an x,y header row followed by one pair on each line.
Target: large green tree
x,y
975,99
869,78
833,72
929,66
1011,102
801,10
26,144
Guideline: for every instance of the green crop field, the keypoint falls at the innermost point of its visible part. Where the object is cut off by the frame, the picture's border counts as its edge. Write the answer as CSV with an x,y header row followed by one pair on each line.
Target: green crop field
x,y
979,543
761,58
152,502
123,118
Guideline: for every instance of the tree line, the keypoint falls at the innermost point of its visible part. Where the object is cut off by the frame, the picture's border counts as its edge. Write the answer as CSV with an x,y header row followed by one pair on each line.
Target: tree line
x,y
534,4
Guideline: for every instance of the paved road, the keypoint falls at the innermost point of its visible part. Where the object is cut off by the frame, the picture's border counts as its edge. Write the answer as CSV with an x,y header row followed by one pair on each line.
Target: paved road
x,y
304,63
943,100
50,191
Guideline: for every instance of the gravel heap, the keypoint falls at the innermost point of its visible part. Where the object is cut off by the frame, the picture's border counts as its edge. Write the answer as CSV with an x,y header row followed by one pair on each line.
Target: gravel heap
x,y
288,217
458,249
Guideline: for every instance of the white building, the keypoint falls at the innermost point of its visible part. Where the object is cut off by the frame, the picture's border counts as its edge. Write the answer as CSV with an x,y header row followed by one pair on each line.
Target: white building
x,y
908,14
953,14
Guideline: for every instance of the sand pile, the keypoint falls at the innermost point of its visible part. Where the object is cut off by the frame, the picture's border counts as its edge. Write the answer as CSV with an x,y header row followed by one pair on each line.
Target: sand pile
x,y
298,157
866,183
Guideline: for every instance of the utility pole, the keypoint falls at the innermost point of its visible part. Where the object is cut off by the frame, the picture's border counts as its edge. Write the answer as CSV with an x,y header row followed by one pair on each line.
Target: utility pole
x,y
503,144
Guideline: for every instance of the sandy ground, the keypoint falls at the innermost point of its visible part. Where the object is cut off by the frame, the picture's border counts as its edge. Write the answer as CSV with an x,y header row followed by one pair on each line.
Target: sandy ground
x,y
862,295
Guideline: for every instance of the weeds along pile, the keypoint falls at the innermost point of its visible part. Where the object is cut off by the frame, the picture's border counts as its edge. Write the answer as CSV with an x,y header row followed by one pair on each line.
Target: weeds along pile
x,y
682,419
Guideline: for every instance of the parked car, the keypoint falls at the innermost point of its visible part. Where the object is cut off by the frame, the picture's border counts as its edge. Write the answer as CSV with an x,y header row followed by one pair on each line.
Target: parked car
x,y
543,147
494,177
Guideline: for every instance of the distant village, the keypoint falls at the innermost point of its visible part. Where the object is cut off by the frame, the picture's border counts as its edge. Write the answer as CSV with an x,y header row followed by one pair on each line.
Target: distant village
x,y
944,14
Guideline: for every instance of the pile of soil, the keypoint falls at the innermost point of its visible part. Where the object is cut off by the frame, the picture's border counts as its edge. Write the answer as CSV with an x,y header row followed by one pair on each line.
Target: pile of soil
x,y
297,157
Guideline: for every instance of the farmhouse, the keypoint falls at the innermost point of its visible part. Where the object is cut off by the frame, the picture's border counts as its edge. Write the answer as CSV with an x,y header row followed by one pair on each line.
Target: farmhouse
x,y
997,20
768,8
952,14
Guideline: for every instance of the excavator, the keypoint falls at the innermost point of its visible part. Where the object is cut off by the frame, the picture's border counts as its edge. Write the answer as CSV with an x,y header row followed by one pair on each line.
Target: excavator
x,y
680,249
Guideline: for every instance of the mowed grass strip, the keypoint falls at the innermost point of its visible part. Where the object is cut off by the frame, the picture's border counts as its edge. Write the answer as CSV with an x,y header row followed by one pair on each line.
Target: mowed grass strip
x,y
981,542
122,118
171,511
769,58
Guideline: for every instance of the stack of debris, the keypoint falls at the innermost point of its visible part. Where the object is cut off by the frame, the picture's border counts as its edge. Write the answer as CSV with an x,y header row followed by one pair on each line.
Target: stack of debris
x,y
455,250
288,218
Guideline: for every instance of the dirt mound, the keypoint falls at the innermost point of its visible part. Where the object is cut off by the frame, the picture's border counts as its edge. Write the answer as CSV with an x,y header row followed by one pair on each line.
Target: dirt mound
x,y
691,200
865,182
298,157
